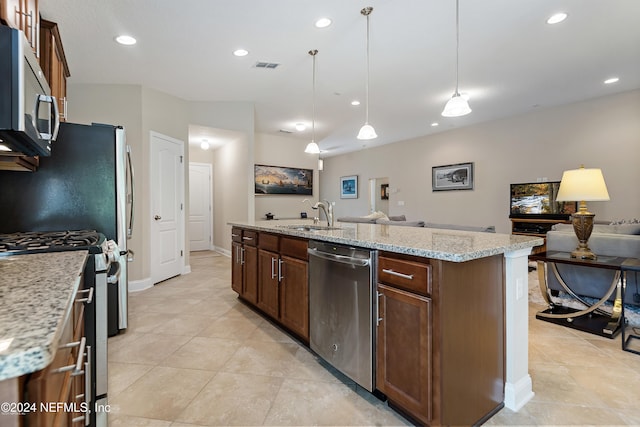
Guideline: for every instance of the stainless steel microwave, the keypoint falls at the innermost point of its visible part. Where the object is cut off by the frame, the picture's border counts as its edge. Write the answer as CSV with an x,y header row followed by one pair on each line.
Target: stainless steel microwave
x,y
28,113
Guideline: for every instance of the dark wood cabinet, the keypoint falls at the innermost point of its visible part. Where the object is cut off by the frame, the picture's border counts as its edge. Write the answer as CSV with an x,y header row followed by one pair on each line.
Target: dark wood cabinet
x,y
244,264
54,64
440,338
404,342
268,282
271,272
294,296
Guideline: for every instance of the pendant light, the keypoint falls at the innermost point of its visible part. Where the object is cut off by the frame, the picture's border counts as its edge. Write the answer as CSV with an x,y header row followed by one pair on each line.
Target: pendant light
x,y
367,131
312,147
457,105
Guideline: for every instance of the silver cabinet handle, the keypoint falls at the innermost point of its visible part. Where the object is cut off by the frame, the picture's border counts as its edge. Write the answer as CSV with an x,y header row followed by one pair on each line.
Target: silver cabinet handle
x,y
247,238
280,276
242,256
157,217
234,235
131,194
273,269
77,368
395,273
89,298
378,318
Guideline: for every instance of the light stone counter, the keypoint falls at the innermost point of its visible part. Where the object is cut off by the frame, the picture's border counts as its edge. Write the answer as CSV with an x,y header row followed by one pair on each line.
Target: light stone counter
x,y
36,297
455,246
443,244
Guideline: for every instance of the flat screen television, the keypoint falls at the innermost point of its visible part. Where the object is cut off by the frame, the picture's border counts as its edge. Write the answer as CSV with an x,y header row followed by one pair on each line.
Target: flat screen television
x,y
538,200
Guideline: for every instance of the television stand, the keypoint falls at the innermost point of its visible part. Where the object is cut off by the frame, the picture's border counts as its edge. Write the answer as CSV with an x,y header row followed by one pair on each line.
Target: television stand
x,y
535,227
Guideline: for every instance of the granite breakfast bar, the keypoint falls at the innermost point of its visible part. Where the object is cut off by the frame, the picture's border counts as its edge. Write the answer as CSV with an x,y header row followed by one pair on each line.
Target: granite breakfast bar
x,y
455,248
37,293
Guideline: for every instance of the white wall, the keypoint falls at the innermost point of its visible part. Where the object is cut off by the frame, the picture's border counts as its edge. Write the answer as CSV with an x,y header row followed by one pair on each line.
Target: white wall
x,y
602,133
275,150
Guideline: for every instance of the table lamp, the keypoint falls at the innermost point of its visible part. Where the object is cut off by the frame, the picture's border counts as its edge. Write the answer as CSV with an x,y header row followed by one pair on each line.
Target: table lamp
x,y
582,185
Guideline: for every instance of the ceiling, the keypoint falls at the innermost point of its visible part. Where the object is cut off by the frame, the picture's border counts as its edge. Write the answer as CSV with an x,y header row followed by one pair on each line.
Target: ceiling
x,y
511,60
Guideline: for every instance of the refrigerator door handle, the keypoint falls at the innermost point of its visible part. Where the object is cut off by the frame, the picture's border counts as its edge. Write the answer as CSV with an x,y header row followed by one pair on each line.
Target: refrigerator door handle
x,y
131,194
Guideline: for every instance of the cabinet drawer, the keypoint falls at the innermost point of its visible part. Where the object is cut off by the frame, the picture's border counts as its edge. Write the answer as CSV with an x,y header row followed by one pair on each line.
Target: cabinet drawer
x,y
296,248
408,275
250,238
236,234
268,242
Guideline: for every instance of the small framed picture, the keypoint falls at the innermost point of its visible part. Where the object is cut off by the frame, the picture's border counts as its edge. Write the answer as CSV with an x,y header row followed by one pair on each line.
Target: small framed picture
x,y
349,187
384,191
452,177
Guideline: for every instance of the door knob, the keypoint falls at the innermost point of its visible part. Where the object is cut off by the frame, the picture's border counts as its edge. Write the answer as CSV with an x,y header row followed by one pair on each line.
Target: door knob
x,y
157,217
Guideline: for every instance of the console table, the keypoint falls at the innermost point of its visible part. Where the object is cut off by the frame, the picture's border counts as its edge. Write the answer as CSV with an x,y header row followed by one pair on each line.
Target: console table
x,y
632,266
592,318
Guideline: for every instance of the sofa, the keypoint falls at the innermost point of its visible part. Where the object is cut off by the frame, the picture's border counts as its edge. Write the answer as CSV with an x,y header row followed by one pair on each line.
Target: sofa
x,y
621,240
401,220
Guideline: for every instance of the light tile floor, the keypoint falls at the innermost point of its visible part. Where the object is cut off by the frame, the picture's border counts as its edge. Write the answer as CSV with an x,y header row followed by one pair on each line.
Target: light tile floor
x,y
195,356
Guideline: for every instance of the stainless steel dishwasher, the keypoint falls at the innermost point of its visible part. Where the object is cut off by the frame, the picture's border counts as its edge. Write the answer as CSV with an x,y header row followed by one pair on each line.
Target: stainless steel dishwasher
x,y
342,307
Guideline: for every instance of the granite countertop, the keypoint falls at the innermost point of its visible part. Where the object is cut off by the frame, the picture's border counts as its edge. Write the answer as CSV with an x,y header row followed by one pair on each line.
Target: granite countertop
x,y
36,296
443,244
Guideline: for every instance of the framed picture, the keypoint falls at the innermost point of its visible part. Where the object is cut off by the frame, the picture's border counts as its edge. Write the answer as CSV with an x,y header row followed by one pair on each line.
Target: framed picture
x,y
452,177
349,187
384,191
283,180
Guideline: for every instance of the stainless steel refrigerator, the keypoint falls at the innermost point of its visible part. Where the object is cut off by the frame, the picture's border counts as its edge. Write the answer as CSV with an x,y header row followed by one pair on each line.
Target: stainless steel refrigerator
x,y
86,183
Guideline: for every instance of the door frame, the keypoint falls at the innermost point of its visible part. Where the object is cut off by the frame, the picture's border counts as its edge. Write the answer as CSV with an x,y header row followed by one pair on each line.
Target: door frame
x,y
181,213
211,218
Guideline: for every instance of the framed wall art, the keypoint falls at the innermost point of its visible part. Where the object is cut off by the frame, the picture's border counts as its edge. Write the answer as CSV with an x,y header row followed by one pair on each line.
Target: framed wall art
x,y
452,177
349,187
283,180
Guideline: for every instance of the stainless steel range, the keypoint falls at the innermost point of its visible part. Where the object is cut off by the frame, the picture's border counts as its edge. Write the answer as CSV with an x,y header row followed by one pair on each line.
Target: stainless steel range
x,y
103,267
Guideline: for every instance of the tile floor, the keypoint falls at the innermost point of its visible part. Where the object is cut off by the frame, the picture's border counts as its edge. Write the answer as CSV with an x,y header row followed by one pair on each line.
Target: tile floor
x,y
195,356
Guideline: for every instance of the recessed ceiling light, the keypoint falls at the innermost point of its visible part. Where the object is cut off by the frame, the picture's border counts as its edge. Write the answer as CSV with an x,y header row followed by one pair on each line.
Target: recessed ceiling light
x,y
204,145
355,102
611,80
323,22
300,127
557,18
241,52
434,124
126,40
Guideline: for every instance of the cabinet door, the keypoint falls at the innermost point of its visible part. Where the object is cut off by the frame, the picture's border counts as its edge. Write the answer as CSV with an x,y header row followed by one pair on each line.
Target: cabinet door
x,y
250,274
404,351
31,14
11,13
268,282
294,296
236,267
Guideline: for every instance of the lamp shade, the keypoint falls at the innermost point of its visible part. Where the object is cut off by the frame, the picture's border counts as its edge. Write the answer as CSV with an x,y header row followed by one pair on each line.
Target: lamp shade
x,y
457,106
312,148
367,132
582,185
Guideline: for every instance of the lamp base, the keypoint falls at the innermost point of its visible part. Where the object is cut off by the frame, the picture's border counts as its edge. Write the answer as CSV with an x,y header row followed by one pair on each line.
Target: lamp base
x,y
583,226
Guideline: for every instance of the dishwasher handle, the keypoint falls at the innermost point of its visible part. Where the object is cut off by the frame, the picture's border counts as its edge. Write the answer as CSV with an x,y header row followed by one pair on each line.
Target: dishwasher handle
x,y
358,262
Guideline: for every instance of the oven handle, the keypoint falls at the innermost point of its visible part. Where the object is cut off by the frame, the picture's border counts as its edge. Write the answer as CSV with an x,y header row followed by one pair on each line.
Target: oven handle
x,y
358,262
114,277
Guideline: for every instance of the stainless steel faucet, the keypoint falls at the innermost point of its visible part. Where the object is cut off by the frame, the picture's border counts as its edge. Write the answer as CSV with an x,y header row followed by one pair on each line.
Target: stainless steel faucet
x,y
326,207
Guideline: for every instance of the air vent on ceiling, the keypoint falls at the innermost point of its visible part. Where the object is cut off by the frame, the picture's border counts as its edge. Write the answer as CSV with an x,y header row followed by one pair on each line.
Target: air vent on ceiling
x,y
266,65
285,131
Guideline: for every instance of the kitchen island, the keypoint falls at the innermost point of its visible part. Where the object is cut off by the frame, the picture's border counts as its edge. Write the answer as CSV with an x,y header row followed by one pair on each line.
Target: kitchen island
x,y
38,316
474,303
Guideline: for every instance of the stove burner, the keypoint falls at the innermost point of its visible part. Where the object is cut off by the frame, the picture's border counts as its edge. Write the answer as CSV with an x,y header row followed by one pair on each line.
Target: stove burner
x,y
58,240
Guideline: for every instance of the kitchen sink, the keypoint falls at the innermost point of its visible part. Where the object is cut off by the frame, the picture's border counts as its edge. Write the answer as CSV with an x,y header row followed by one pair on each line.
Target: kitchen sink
x,y
309,227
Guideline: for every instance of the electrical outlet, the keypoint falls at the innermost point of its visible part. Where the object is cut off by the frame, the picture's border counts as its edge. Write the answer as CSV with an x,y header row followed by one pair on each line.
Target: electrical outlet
x,y
400,202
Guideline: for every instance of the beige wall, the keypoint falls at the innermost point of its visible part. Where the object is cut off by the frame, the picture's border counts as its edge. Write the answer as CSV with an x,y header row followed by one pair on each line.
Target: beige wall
x,y
602,133
277,150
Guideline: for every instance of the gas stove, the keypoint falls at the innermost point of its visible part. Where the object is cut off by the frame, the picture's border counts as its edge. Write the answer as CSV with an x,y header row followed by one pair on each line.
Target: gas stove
x,y
52,241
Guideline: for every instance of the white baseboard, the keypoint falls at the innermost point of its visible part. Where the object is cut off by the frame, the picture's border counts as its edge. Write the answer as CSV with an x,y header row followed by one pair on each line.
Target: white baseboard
x,y
140,285
186,269
223,251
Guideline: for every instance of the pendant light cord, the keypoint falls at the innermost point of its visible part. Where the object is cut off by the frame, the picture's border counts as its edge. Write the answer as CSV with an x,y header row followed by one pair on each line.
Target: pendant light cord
x,y
313,96
457,44
367,86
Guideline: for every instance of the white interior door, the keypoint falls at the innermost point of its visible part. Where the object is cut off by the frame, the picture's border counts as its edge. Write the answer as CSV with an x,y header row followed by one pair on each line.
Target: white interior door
x,y
200,207
167,207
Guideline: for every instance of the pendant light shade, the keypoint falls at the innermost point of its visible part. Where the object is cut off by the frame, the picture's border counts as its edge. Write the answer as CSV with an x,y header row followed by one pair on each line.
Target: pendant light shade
x,y
457,106
367,131
312,147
